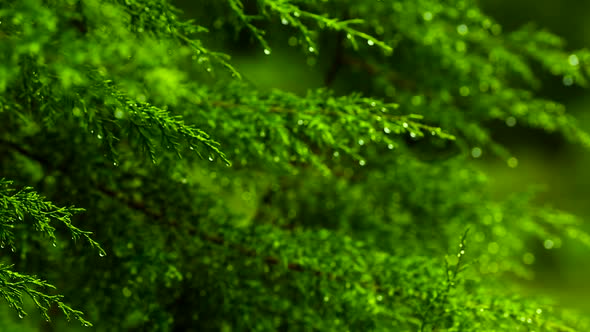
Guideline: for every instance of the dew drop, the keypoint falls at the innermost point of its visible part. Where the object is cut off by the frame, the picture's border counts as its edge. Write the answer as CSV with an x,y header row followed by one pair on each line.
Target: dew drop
x,y
266,51
427,16
99,136
296,14
464,91
462,29
405,125
102,254
119,114
361,142
476,152
493,248
21,316
311,49
512,162
390,146
413,135
386,130
54,244
190,147
362,162
511,121
284,21
115,163
573,60
548,244
370,42
211,158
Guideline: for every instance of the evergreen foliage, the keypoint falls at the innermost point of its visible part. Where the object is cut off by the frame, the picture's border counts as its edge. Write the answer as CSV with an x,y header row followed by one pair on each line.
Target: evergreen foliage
x,y
212,204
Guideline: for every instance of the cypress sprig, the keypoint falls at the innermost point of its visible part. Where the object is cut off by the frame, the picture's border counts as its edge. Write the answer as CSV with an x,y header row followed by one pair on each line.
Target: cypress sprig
x,y
339,204
14,285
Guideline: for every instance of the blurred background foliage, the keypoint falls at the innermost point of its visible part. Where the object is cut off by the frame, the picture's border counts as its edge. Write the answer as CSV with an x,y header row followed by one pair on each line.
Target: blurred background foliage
x,y
561,170
558,171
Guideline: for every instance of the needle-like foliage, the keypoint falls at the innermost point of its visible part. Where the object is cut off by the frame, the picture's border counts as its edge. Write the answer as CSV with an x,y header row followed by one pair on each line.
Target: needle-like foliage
x,y
208,202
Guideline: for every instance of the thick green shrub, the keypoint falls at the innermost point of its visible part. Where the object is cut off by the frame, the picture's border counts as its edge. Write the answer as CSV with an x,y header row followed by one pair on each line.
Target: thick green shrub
x,y
158,188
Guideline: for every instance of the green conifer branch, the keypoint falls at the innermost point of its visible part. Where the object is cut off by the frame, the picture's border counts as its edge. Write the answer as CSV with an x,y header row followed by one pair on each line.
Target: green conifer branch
x,y
332,247
26,203
293,15
14,285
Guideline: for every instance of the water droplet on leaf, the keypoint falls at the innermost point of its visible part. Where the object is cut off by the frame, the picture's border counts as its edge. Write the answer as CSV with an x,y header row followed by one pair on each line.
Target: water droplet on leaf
x,y
573,60
510,121
548,244
476,152
462,29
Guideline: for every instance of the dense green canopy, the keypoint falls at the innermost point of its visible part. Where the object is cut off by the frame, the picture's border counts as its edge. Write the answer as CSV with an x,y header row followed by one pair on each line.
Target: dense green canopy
x,y
157,187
